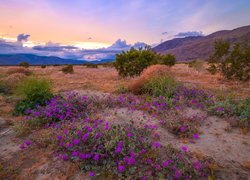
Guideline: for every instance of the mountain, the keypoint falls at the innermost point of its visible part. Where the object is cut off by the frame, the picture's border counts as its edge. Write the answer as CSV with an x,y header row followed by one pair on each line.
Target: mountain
x,y
201,47
15,59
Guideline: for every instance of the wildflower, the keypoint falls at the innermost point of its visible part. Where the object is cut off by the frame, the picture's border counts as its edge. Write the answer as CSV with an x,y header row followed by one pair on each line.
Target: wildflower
x,y
129,134
184,148
84,156
64,157
143,151
76,141
107,126
96,157
132,154
197,166
74,153
118,149
59,137
91,174
183,128
22,146
156,145
196,136
131,161
177,174
85,136
88,128
220,109
28,142
121,168
166,163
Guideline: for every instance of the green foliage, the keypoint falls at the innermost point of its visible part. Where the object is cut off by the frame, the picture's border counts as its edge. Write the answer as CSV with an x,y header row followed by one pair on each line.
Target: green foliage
x,y
132,62
167,59
43,66
160,86
233,61
34,91
121,90
24,64
68,69
91,65
243,110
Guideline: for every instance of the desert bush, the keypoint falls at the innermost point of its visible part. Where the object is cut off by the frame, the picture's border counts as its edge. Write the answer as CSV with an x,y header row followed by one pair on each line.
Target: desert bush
x,y
91,65
198,65
243,110
160,86
21,70
68,69
9,83
233,61
121,90
167,59
24,64
135,86
133,62
43,66
34,91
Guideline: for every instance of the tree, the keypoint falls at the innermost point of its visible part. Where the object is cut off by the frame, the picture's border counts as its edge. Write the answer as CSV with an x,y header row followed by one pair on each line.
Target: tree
x,y
233,61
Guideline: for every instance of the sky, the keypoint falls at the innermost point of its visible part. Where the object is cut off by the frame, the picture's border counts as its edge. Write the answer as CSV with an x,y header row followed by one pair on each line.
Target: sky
x,y
113,24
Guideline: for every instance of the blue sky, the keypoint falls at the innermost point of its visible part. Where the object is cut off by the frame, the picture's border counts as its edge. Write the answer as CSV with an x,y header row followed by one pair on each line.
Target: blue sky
x,y
93,24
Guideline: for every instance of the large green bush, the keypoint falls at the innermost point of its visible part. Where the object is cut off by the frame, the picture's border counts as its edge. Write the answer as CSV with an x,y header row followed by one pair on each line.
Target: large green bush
x,y
132,62
167,59
233,61
34,91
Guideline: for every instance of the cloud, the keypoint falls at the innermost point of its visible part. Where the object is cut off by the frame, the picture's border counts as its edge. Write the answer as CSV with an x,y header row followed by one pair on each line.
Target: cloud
x,y
189,33
23,37
138,45
54,47
164,33
120,44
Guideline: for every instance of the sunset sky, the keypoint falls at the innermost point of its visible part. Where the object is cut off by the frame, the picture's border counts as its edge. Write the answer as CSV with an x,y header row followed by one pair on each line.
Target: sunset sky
x,y
93,24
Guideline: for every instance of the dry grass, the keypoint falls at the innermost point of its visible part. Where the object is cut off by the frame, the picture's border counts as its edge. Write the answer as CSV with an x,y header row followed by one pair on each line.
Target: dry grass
x,y
20,70
136,84
106,79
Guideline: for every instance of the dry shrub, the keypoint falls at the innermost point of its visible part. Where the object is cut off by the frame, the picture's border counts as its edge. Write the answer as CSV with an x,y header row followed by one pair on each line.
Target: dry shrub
x,y
21,70
14,79
136,84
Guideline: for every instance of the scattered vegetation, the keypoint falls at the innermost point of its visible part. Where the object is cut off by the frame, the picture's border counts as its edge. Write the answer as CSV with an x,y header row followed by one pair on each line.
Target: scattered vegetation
x,y
68,69
91,65
34,91
198,65
43,66
232,61
24,64
133,62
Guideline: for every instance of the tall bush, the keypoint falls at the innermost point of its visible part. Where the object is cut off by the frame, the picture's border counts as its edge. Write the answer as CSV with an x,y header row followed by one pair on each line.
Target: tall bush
x,y
233,61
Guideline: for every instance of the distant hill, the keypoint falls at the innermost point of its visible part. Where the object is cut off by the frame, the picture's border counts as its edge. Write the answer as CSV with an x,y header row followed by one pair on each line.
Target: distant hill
x,y
15,59
191,48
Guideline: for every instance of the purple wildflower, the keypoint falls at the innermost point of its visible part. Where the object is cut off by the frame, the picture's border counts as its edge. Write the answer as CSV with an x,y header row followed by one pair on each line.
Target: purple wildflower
x,y
131,161
197,166
85,136
166,163
91,174
76,141
22,146
64,157
74,153
220,109
121,168
28,142
196,136
106,126
177,174
184,148
96,157
156,145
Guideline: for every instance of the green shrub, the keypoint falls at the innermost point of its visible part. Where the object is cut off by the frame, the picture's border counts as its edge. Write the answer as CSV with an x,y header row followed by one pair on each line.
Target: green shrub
x,y
68,69
232,61
243,110
24,64
132,62
160,86
167,59
43,66
34,91
91,65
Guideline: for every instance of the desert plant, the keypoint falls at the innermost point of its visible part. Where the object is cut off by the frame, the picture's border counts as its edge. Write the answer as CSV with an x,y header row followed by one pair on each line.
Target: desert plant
x,y
34,91
43,66
24,64
160,86
133,62
68,69
5,88
167,59
233,61
91,65
198,65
